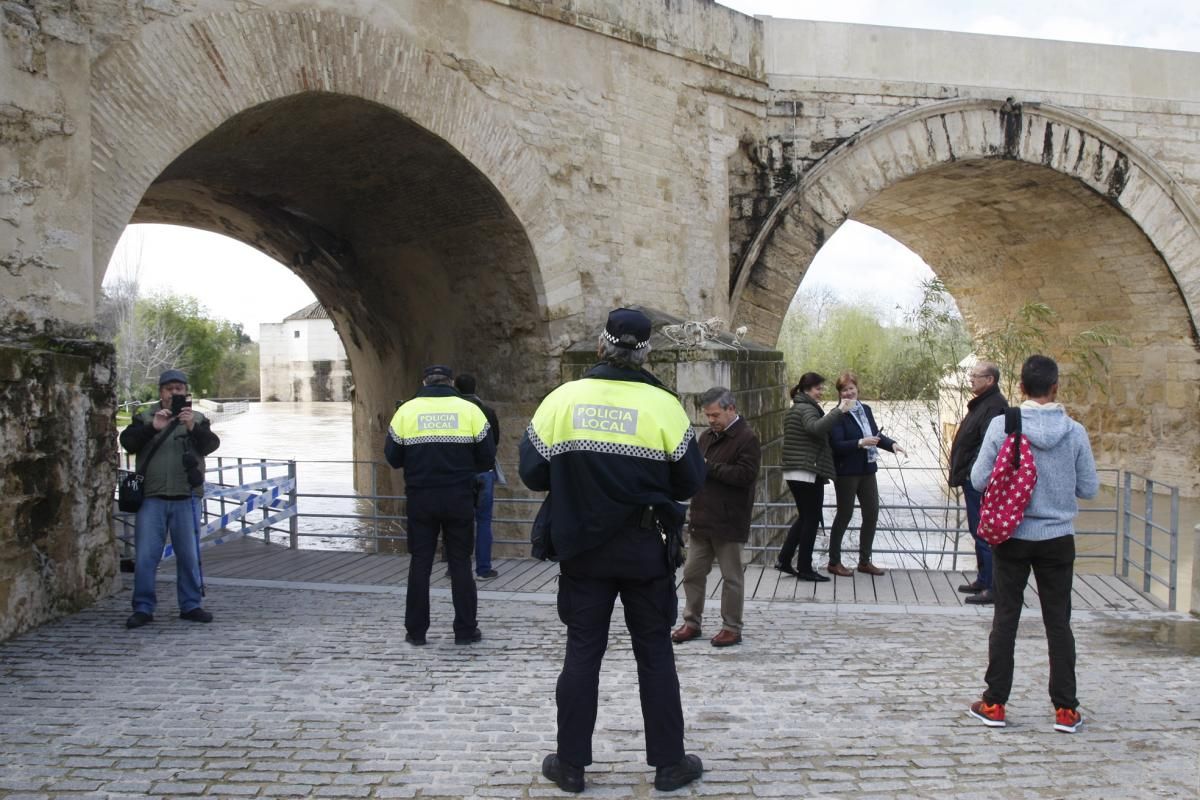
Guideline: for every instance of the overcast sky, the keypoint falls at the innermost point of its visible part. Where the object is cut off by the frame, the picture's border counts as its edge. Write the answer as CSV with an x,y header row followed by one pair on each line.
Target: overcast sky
x,y
238,283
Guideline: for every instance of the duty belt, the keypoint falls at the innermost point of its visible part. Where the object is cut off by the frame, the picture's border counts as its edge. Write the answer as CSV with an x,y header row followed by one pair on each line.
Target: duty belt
x,y
642,517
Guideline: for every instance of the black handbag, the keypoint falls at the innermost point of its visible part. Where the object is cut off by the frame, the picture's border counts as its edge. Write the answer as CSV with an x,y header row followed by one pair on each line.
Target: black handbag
x,y
130,492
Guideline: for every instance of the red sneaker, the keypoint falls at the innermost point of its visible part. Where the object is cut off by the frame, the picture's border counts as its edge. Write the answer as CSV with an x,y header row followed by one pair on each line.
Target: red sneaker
x,y
992,714
1067,720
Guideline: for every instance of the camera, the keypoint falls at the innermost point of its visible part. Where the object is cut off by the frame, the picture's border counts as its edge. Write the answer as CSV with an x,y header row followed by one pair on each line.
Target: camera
x,y
191,465
179,402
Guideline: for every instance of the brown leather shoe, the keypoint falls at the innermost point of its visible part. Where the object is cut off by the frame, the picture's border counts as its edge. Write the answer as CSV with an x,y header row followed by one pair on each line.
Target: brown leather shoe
x,y
869,568
838,569
685,633
726,639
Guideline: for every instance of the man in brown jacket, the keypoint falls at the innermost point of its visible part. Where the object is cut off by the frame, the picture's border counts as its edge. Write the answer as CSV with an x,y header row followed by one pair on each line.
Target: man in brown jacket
x,y
719,520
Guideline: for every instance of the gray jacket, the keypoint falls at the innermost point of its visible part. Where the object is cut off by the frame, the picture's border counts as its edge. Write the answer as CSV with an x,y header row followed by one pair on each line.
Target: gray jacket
x,y
1065,466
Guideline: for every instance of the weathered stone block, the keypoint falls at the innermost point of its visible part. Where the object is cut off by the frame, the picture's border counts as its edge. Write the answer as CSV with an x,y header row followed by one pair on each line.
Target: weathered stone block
x,y
57,552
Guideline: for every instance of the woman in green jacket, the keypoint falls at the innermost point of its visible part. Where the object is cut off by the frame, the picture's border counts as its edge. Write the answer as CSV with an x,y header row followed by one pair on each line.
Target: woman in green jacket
x,y
807,467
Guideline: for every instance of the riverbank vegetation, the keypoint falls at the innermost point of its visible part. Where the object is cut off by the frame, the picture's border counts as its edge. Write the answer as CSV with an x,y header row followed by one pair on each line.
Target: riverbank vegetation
x,y
902,360
911,359
162,331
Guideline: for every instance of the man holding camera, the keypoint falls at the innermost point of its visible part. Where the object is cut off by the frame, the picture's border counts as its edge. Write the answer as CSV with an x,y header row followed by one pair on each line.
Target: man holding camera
x,y
170,441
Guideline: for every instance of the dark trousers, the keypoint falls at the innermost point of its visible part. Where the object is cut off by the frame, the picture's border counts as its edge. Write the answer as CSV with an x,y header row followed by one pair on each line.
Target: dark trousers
x,y
451,512
587,588
803,533
983,550
866,489
1053,563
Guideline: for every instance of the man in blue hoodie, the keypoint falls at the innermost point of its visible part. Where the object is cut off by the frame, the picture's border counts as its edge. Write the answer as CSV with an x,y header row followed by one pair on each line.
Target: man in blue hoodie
x,y
1044,542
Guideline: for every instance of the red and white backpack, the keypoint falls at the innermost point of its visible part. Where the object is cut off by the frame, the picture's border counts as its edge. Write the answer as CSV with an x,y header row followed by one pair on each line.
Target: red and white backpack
x,y
1010,486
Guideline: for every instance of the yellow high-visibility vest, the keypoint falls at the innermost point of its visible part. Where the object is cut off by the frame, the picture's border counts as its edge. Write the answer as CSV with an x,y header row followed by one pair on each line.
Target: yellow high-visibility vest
x,y
438,420
618,417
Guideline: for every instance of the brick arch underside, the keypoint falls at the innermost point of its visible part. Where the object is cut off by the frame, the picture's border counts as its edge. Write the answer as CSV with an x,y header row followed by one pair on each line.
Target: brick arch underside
x,y
380,177
1002,231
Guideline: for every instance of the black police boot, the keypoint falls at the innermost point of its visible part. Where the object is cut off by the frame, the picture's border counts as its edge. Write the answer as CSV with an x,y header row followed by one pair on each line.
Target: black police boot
x,y
676,776
468,638
568,778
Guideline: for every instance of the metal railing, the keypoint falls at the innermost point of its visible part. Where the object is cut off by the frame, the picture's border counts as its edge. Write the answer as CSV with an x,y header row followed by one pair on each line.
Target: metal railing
x,y
273,497
921,523
1150,530
922,510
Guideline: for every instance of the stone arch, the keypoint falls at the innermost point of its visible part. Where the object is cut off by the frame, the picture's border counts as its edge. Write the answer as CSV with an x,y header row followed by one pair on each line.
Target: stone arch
x,y
1011,202
154,97
190,120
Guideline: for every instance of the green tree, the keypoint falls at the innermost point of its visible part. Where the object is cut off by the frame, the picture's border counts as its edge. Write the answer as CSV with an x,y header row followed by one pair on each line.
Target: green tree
x,y
176,331
205,341
938,337
238,375
893,362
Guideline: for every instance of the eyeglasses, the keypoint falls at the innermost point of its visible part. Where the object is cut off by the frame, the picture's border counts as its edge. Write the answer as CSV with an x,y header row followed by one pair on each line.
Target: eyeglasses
x,y
978,375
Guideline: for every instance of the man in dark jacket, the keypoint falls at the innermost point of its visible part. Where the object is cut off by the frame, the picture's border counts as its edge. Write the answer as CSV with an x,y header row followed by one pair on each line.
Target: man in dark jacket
x,y
719,520
987,403
616,451
171,441
442,442
485,484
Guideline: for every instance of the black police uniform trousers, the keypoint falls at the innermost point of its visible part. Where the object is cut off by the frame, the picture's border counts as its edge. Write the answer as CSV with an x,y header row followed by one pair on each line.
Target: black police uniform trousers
x,y
631,564
449,510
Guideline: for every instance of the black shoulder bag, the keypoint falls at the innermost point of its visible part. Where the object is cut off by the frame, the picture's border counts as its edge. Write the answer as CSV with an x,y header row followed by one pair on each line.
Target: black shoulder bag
x,y
542,546
129,488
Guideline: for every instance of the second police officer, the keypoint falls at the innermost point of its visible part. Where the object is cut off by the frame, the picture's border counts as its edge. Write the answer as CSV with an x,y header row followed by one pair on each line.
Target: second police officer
x,y
616,451
442,442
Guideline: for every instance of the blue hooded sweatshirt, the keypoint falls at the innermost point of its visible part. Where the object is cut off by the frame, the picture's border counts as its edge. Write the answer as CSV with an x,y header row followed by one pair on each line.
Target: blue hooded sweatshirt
x,y
1066,469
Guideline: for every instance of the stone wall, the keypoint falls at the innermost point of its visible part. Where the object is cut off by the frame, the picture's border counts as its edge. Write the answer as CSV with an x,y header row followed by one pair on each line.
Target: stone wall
x,y
57,552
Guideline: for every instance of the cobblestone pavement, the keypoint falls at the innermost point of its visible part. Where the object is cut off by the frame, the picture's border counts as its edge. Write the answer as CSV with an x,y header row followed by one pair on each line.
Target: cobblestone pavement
x,y
298,692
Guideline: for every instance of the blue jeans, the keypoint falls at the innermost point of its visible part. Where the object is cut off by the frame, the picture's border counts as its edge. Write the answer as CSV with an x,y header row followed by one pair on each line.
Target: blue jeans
x,y
983,550
156,518
485,485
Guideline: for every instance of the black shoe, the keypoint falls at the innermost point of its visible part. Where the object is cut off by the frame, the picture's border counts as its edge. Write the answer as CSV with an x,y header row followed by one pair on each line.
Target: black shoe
x,y
782,567
568,778
468,638
491,573
414,640
974,587
137,619
197,615
815,577
984,598
676,776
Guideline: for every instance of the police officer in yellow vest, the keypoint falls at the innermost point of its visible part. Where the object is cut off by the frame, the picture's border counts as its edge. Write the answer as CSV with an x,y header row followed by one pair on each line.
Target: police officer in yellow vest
x,y
442,442
617,452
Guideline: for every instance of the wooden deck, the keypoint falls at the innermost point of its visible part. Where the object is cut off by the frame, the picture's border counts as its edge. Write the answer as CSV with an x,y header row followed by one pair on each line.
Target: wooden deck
x,y
252,559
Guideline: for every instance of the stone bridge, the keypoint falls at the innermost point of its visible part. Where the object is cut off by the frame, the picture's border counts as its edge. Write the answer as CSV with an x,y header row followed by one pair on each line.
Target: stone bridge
x,y
478,181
